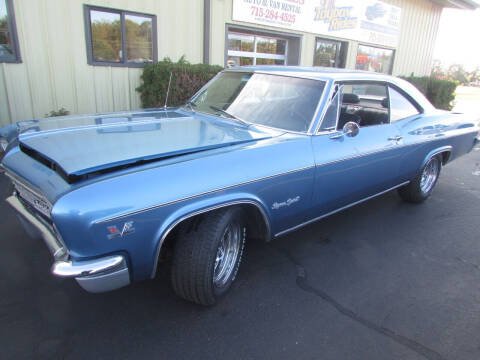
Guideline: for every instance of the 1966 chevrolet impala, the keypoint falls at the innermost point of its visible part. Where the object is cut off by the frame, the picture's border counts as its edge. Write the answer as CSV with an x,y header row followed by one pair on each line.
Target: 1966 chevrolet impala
x,y
256,153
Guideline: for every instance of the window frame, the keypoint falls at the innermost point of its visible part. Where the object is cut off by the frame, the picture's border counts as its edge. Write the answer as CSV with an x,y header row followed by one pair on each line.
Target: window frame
x,y
124,61
394,52
12,28
338,56
408,98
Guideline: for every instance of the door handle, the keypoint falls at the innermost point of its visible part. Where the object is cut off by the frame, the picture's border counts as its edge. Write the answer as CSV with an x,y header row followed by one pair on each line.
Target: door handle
x,y
395,138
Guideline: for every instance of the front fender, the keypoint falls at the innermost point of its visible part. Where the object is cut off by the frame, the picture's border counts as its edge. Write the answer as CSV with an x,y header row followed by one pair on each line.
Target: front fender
x,y
202,206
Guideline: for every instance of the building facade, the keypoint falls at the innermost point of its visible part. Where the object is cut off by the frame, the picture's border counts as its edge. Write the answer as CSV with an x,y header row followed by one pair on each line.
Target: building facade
x,y
86,56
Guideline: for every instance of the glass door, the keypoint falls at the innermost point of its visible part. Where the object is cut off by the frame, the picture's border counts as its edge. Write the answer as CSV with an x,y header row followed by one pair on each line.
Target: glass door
x,y
329,53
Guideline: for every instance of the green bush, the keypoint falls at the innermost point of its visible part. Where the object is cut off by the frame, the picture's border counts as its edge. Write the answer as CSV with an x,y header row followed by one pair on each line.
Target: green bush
x,y
187,79
60,112
441,93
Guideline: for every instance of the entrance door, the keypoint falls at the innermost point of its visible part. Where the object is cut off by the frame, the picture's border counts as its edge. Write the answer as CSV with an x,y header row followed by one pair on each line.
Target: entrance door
x,y
330,53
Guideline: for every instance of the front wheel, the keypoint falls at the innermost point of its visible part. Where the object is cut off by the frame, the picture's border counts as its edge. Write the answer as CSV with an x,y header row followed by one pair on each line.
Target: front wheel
x,y
421,187
206,259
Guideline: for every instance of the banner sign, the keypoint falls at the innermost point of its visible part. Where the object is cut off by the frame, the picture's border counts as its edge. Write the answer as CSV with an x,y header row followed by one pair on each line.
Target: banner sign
x,y
362,20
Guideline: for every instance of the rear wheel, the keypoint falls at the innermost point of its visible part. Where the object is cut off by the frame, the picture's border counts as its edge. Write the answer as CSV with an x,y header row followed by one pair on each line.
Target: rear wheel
x,y
420,188
206,259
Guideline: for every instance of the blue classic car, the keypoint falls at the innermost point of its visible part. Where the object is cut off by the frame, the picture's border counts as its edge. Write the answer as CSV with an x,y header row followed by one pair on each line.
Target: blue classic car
x,y
258,152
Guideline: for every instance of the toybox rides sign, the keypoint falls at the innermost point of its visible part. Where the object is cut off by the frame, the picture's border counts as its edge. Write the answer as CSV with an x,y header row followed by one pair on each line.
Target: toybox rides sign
x,y
362,20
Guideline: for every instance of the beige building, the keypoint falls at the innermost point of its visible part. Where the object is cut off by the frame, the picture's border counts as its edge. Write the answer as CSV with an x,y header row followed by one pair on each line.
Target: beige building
x,y
87,55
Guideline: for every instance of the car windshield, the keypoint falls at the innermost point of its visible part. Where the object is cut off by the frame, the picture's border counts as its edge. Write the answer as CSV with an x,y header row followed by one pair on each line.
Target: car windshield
x,y
282,102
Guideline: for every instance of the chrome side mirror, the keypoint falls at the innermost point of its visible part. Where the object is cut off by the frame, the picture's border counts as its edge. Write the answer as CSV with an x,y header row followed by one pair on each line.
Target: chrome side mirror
x,y
350,129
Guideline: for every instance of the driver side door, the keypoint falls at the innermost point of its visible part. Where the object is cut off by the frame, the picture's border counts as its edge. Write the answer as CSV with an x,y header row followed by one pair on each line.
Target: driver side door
x,y
349,169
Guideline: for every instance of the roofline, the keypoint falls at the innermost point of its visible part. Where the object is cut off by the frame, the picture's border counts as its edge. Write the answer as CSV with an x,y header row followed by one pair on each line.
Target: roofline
x,y
458,4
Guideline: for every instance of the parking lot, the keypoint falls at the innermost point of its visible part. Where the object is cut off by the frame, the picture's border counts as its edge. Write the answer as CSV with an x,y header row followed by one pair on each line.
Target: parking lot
x,y
383,280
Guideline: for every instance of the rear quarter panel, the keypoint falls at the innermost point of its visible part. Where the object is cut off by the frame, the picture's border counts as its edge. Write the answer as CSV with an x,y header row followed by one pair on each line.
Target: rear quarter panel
x,y
435,131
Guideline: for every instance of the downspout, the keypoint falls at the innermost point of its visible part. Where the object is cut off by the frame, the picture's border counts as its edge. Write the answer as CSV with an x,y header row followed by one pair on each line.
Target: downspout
x,y
206,31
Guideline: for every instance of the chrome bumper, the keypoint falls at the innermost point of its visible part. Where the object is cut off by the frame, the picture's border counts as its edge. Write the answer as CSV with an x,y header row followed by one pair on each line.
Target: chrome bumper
x,y
97,275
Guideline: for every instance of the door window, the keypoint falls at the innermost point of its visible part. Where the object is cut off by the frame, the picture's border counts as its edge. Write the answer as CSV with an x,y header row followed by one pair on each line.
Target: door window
x,y
364,103
400,107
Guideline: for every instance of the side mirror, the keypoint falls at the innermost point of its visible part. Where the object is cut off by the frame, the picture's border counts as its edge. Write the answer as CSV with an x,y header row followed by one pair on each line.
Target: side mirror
x,y
350,129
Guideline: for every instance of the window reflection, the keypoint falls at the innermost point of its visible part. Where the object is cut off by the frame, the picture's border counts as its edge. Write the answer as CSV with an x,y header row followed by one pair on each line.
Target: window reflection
x,y
106,36
250,49
371,58
139,38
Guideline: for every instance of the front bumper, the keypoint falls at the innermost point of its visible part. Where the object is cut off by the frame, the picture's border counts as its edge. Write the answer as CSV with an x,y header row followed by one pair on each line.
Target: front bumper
x,y
97,275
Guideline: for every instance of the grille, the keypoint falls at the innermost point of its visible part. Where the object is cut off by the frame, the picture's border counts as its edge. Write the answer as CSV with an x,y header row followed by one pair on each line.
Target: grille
x,y
31,198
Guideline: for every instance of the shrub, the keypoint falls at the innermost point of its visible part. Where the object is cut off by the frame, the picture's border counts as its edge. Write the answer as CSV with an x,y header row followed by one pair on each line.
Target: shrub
x,y
60,112
440,92
187,79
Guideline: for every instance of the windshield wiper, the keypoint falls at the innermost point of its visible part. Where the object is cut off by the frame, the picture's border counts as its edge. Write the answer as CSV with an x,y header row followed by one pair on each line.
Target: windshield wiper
x,y
227,114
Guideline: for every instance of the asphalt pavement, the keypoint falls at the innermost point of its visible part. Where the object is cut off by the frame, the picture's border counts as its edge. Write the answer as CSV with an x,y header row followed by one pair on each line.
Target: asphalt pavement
x,y
382,280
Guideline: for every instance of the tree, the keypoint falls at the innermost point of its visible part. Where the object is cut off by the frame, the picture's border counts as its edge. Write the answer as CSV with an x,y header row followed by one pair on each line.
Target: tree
x,y
458,73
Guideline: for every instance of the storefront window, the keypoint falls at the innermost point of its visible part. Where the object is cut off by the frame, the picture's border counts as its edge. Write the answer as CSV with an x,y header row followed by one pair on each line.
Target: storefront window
x,y
371,58
329,53
248,49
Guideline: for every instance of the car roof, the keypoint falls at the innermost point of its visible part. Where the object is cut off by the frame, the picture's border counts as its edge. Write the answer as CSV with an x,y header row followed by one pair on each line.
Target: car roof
x,y
336,74
316,72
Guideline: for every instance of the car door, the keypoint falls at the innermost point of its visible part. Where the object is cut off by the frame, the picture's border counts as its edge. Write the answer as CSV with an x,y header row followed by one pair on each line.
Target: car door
x,y
352,168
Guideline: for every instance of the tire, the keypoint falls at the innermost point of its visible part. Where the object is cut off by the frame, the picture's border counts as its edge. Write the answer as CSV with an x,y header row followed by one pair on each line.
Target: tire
x,y
421,187
206,259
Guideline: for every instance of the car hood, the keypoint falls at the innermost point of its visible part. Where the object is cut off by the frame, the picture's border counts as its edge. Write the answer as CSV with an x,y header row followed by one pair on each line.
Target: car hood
x,y
79,146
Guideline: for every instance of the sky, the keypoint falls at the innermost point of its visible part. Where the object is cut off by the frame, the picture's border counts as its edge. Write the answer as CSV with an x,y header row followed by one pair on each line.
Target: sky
x,y
457,39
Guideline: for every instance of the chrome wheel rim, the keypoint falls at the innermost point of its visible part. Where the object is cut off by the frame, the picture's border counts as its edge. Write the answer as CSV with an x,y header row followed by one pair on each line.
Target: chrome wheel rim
x,y
227,254
429,175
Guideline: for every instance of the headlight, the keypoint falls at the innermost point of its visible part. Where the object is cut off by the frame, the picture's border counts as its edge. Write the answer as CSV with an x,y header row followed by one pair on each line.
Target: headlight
x,y
3,144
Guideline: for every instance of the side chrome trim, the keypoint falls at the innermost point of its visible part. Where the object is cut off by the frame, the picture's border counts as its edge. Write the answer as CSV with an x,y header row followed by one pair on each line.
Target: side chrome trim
x,y
216,207
114,218
284,232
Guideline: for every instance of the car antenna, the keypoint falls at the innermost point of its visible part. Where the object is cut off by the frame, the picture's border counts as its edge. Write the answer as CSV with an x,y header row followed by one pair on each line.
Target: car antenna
x,y
168,90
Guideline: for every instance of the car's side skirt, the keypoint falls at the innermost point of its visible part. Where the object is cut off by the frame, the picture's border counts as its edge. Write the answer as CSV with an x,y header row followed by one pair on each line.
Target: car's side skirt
x,y
296,227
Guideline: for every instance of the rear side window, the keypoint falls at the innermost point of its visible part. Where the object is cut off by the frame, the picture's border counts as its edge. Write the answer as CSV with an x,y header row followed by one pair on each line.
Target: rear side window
x,y
400,106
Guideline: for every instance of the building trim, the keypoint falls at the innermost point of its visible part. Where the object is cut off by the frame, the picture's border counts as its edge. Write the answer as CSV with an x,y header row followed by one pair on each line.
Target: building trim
x,y
206,31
